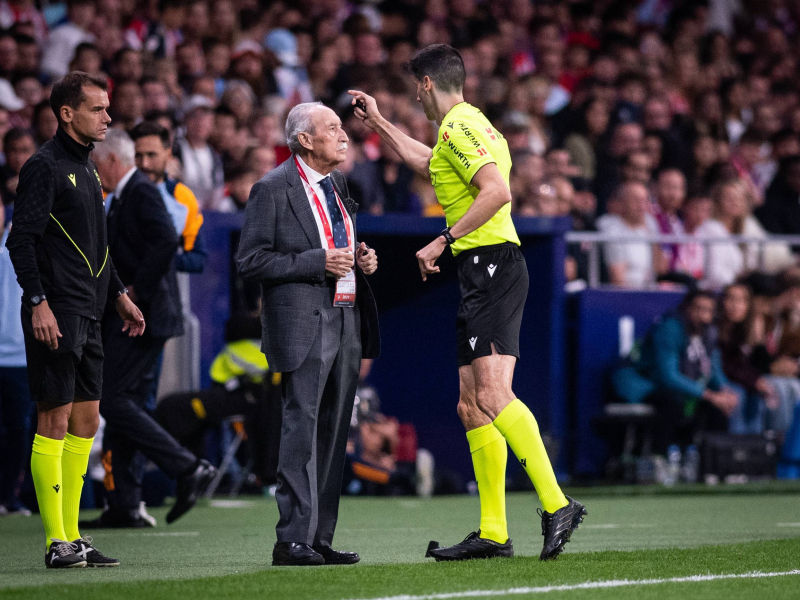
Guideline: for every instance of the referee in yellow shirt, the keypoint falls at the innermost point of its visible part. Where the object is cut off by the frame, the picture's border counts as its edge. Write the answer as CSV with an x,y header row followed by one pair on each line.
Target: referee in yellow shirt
x,y
469,168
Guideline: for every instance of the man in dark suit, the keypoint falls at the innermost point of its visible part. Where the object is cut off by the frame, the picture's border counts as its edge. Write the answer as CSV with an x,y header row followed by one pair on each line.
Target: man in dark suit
x,y
142,239
319,319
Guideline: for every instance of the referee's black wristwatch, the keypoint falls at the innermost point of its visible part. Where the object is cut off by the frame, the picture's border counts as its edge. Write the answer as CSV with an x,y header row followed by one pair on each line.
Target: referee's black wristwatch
x,y
448,237
37,299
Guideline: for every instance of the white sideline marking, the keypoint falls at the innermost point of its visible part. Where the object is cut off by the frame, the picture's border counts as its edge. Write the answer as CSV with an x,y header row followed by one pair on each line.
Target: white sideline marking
x,y
232,503
165,534
787,524
589,585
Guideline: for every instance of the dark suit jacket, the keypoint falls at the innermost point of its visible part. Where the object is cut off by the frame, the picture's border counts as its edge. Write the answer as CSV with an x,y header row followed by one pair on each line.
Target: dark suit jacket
x,y
280,249
143,242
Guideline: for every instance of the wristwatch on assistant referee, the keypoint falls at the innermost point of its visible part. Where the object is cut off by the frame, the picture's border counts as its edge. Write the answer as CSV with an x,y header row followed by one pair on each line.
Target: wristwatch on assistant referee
x,y
37,299
448,236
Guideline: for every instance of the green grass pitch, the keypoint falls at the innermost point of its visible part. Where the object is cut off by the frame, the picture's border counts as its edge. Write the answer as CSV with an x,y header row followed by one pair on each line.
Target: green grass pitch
x,y
223,551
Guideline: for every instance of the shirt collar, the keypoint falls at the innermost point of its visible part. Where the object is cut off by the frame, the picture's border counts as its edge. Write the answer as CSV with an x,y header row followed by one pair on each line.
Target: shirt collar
x,y
313,176
123,182
77,150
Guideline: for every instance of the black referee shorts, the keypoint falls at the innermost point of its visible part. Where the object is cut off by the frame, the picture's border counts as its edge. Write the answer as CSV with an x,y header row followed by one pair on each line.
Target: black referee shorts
x,y
494,286
74,370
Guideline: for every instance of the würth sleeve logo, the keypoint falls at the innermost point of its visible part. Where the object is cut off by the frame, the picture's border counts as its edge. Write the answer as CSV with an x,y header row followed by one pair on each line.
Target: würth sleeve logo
x,y
491,133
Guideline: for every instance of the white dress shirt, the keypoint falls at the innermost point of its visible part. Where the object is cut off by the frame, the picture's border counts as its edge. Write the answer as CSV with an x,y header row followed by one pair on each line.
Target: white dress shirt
x,y
313,179
118,190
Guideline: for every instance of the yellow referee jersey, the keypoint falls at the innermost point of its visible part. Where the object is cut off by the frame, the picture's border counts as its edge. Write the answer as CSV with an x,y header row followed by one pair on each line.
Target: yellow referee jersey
x,y
466,142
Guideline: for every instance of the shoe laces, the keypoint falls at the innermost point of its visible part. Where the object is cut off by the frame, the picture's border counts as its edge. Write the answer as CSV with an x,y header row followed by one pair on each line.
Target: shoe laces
x,y
62,548
547,520
87,539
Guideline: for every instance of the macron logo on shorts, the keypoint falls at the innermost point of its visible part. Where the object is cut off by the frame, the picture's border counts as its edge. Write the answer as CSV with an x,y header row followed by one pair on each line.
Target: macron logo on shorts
x,y
491,270
472,341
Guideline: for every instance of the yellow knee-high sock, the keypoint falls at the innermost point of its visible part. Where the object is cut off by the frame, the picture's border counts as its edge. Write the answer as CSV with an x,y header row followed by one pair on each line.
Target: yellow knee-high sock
x,y
517,424
489,457
74,462
46,471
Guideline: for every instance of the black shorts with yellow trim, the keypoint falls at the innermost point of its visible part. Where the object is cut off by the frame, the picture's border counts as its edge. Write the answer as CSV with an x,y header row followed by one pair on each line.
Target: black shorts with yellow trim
x,y
494,287
74,371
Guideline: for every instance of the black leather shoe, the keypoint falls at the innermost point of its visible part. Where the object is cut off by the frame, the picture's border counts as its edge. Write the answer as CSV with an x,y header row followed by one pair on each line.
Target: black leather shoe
x,y
335,557
292,554
190,488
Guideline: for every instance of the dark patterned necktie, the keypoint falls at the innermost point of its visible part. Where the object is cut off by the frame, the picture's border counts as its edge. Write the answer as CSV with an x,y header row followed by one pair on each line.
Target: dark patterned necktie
x,y
337,218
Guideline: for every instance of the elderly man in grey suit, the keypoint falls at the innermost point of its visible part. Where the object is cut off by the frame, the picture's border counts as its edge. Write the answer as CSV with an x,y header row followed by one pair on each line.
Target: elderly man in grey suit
x,y
319,319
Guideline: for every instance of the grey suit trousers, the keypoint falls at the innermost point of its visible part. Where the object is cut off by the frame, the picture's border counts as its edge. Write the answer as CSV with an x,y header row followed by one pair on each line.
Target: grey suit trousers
x,y
318,402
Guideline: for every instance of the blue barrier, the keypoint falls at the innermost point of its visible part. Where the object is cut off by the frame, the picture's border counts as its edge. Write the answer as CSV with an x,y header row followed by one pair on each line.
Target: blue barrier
x,y
594,317
416,376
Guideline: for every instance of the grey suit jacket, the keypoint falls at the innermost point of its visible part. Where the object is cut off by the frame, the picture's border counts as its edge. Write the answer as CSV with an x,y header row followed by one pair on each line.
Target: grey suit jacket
x,y
280,248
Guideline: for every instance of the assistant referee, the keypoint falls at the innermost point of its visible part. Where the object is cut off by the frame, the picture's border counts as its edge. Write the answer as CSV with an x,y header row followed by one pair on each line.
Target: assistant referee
x,y
469,168
59,250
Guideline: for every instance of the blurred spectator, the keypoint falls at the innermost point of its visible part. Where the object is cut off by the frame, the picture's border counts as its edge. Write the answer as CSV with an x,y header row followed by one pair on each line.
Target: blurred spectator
x,y
746,360
781,210
678,370
582,142
202,166
626,138
19,146
238,182
64,39
15,403
127,105
670,194
631,264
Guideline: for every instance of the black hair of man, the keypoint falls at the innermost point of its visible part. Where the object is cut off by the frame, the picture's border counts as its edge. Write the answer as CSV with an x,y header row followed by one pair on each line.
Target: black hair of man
x,y
83,47
239,172
784,135
69,90
148,128
17,133
443,64
693,295
155,115
119,54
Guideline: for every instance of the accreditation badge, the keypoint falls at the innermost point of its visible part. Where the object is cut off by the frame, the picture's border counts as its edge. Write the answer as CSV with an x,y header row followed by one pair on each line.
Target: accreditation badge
x,y
345,291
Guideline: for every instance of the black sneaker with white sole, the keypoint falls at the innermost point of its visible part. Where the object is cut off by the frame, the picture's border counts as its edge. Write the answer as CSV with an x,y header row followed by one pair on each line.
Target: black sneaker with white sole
x,y
62,555
557,527
92,556
473,546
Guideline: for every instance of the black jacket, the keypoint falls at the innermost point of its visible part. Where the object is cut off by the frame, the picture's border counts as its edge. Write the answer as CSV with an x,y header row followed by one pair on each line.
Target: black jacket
x,y
143,243
58,244
780,213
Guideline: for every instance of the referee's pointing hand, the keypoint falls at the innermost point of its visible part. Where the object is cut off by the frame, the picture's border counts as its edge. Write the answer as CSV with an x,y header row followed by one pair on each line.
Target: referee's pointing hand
x,y
366,108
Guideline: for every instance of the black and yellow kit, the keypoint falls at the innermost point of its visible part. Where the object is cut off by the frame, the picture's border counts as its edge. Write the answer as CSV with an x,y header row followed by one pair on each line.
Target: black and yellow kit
x,y
59,249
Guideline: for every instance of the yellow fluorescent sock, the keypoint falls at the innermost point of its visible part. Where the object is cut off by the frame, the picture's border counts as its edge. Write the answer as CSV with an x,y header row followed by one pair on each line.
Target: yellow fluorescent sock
x,y
46,471
74,462
489,456
517,424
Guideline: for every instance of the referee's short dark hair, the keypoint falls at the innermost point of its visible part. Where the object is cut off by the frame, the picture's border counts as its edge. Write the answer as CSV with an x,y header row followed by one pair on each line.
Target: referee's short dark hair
x,y
69,90
443,64
148,128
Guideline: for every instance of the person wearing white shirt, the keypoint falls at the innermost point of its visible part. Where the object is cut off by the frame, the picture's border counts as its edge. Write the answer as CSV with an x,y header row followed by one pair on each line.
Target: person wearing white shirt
x,y
632,264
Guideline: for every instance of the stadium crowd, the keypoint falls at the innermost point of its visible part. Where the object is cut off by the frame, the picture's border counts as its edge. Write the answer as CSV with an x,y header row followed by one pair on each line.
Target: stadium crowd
x,y
630,117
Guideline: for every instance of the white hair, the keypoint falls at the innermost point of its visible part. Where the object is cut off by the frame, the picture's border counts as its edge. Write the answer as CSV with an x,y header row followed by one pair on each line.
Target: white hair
x,y
119,144
298,121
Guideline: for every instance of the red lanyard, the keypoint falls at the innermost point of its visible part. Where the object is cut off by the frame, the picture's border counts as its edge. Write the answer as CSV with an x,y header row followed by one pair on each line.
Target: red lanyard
x,y
326,226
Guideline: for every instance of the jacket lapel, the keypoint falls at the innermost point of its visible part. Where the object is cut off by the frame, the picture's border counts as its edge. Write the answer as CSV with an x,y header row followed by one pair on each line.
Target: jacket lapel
x,y
300,205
